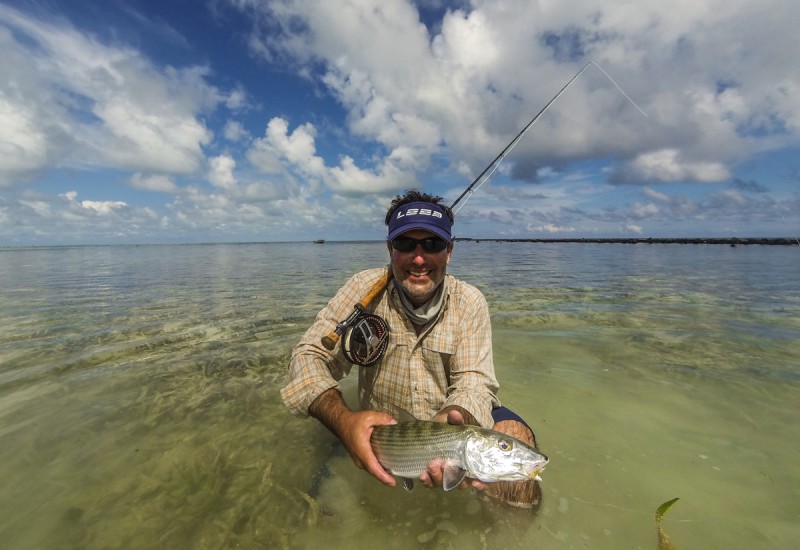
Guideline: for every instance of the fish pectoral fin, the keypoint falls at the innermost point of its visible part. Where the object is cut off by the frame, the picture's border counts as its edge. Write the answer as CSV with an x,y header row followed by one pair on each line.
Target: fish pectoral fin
x,y
408,483
453,475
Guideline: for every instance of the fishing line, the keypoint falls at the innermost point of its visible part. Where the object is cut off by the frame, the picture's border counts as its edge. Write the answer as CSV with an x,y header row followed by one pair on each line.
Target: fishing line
x,y
489,170
364,335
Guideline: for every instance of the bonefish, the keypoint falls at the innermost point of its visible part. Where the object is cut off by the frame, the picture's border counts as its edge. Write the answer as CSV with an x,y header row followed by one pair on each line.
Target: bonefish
x,y
406,448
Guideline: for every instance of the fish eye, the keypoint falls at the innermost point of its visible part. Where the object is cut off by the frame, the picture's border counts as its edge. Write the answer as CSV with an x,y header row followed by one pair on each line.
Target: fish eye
x,y
505,445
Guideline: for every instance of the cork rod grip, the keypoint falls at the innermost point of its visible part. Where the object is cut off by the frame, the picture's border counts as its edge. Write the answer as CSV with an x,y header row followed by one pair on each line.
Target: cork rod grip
x,y
376,289
330,340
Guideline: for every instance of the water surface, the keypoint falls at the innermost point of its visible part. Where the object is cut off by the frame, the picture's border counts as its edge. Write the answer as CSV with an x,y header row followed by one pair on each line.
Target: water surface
x,y
139,402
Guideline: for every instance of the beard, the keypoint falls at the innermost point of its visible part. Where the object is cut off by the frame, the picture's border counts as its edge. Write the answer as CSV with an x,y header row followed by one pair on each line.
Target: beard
x,y
418,294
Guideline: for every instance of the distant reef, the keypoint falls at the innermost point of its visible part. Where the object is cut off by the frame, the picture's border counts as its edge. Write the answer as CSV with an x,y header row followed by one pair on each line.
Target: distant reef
x,y
733,241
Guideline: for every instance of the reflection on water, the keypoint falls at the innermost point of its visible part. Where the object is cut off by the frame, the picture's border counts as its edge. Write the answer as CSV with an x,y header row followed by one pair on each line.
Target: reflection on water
x,y
139,400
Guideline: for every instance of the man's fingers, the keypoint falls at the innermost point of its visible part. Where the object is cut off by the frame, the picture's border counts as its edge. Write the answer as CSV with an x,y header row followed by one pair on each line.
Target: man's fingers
x,y
425,479
479,485
375,468
356,436
455,417
433,476
383,476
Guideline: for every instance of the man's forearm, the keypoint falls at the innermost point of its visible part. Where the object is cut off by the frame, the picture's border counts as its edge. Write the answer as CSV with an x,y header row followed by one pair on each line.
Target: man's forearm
x,y
353,429
331,410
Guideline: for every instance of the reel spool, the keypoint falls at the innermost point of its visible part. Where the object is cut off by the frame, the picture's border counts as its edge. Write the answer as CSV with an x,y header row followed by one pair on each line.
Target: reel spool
x,y
365,340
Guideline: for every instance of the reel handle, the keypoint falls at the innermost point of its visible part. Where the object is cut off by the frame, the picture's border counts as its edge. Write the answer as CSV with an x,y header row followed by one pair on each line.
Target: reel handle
x,y
329,341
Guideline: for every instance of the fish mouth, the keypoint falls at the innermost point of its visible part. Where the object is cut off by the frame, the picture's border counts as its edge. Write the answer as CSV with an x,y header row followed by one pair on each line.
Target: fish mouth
x,y
535,474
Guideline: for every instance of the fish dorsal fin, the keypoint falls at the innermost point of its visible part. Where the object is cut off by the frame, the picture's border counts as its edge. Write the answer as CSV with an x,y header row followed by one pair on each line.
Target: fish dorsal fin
x,y
405,416
408,483
453,475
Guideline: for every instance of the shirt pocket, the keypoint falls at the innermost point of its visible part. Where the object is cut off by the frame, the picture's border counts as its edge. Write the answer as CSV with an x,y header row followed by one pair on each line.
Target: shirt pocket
x,y
437,349
439,342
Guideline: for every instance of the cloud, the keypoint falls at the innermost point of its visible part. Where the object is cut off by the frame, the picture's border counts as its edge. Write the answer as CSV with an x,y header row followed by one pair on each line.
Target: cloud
x,y
723,206
551,228
294,152
668,165
65,218
234,131
730,198
67,100
236,99
397,95
641,211
655,195
220,172
23,146
158,183
462,87
40,208
103,207
98,207
750,186
633,228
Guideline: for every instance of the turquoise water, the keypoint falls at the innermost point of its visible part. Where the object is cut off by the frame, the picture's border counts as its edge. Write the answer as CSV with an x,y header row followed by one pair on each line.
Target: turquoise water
x,y
139,402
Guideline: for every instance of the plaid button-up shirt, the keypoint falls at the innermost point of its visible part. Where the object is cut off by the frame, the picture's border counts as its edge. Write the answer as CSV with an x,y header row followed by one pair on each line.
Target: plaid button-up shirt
x,y
448,363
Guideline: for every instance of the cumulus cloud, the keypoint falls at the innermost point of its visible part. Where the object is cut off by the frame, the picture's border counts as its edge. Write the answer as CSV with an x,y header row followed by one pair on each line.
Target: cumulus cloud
x,y
424,94
68,100
648,210
668,165
236,99
99,207
633,228
103,207
234,131
551,228
220,172
295,151
460,84
155,182
24,147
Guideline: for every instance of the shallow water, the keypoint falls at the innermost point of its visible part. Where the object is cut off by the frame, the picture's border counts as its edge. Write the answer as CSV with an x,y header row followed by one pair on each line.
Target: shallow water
x,y
139,402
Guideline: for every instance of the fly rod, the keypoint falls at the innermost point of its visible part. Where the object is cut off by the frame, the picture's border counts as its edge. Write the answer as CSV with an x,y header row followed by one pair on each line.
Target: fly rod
x,y
359,317
489,170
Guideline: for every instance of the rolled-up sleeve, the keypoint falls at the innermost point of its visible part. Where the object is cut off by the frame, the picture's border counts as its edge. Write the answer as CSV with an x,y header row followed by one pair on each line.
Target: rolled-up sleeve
x,y
312,368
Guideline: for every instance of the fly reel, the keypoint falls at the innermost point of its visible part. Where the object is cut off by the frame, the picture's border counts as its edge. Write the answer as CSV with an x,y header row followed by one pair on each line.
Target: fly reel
x,y
365,340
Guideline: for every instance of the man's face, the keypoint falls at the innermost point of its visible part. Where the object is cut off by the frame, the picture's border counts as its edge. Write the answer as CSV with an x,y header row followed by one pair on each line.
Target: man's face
x,y
419,273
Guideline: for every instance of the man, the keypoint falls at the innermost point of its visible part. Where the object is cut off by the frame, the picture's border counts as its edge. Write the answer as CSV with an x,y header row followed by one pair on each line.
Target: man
x,y
438,363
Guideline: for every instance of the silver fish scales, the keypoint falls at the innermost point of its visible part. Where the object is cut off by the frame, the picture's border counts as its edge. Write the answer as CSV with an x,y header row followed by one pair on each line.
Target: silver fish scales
x,y
406,448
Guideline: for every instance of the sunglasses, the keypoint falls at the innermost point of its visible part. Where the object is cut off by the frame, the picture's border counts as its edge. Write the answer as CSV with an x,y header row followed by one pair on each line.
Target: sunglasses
x,y
407,244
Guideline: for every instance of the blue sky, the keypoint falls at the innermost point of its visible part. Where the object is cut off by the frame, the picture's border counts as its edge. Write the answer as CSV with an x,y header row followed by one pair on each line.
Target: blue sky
x,y
243,120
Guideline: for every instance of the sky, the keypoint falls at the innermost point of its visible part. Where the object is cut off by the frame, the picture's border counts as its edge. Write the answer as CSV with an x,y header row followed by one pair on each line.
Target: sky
x,y
187,121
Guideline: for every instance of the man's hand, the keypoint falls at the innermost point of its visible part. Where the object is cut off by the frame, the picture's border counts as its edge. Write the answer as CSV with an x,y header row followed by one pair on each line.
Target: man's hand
x,y
435,473
452,415
354,429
